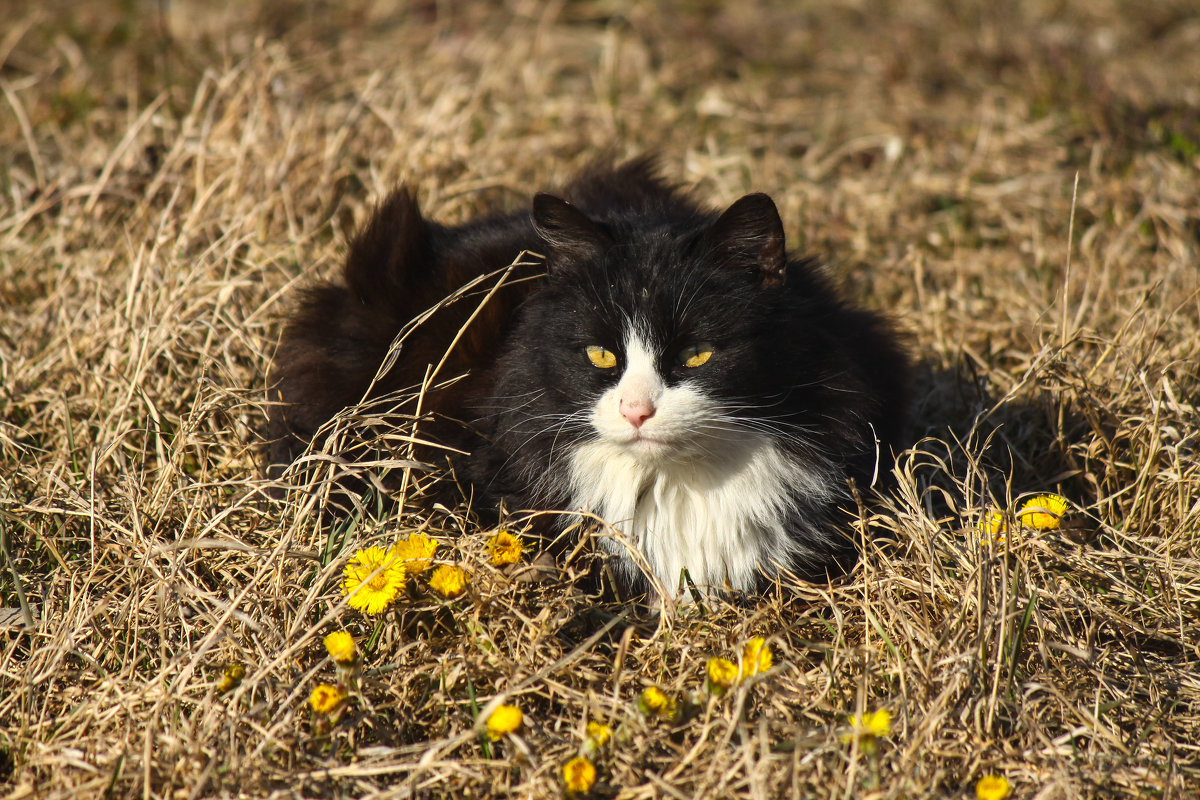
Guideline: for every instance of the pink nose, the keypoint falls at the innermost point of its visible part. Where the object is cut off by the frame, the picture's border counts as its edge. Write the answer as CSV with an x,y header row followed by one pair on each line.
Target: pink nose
x,y
637,411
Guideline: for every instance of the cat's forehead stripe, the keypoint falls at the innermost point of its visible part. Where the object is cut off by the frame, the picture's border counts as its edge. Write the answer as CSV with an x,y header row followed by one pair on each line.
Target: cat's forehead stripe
x,y
639,355
640,332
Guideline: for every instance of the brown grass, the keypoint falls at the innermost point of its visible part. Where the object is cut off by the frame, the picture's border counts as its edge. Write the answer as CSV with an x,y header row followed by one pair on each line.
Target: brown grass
x,y
171,173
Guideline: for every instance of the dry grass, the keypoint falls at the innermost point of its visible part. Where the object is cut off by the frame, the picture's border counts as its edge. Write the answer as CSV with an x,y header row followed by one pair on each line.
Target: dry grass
x,y
169,178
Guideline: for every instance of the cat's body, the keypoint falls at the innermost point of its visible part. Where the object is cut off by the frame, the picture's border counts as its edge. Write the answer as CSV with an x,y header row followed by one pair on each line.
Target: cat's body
x,y
673,375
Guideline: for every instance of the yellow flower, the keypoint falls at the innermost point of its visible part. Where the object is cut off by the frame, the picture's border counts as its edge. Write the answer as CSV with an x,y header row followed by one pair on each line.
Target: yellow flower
x,y
1043,512
504,720
878,723
868,728
654,703
505,548
579,775
722,674
326,699
992,787
598,734
756,657
994,525
416,552
231,677
340,645
372,580
448,581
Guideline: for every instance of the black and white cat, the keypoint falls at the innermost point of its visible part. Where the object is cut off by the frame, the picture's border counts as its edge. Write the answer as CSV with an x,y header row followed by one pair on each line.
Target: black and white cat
x,y
673,374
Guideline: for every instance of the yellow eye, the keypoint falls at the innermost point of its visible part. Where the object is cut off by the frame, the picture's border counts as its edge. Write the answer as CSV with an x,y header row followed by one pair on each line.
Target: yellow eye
x,y
605,359
696,355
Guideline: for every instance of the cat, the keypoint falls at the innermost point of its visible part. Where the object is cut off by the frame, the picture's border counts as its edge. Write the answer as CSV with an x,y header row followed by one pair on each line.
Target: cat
x,y
673,373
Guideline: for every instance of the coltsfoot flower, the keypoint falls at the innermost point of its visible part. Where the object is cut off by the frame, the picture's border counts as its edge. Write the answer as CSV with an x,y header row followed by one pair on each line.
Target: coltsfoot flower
x,y
992,787
994,526
341,648
756,657
326,700
372,579
655,703
878,723
598,735
448,581
503,721
579,775
231,676
416,551
868,728
1043,512
722,675
505,548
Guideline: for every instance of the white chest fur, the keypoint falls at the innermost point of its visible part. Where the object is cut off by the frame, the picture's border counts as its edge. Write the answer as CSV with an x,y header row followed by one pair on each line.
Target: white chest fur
x,y
685,486
725,518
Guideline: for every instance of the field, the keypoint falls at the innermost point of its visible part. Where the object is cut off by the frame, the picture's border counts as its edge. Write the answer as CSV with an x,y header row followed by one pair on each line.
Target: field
x,y
1017,184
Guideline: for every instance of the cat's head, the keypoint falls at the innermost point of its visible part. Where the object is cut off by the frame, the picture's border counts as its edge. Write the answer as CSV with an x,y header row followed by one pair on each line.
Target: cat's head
x,y
657,334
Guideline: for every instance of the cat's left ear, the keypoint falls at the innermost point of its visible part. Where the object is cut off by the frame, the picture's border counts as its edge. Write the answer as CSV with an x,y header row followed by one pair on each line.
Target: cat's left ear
x,y
571,234
750,233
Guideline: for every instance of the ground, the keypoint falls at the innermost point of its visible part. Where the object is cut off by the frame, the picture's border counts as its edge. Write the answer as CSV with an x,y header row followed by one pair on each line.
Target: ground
x,y
1017,185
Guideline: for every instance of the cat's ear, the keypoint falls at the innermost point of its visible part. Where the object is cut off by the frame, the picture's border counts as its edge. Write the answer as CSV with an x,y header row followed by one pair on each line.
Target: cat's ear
x,y
570,233
750,233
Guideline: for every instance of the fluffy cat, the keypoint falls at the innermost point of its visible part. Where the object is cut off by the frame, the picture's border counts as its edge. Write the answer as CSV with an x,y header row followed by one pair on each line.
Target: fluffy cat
x,y
673,373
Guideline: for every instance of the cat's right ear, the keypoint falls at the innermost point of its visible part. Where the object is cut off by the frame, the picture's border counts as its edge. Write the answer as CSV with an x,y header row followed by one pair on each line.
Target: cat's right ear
x,y
751,233
571,235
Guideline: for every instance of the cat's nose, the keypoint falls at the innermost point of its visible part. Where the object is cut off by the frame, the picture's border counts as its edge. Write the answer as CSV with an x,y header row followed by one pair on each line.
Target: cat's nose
x,y
637,411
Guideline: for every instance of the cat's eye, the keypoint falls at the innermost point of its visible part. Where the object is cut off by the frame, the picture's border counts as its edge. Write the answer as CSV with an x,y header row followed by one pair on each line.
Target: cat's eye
x,y
602,357
695,356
